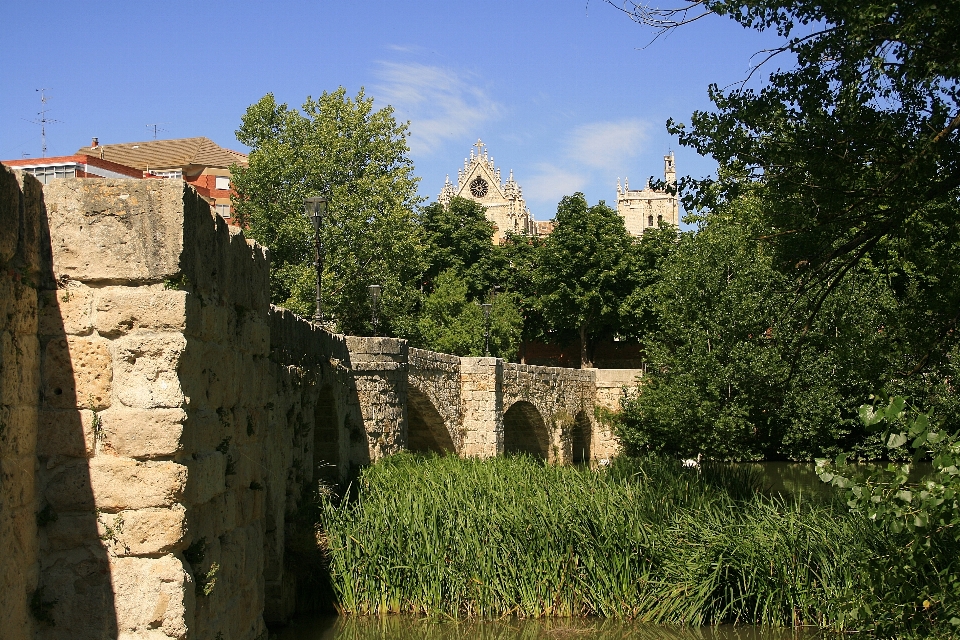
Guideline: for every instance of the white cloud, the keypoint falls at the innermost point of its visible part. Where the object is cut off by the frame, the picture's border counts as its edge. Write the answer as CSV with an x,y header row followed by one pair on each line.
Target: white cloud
x,y
440,103
607,145
551,183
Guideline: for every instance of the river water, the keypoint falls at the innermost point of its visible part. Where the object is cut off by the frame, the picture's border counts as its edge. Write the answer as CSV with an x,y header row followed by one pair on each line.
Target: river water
x,y
412,628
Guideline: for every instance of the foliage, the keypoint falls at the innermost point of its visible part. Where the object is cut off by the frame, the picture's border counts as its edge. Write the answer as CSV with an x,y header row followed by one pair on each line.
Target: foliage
x,y
355,156
856,146
584,272
457,238
917,586
642,539
450,323
732,372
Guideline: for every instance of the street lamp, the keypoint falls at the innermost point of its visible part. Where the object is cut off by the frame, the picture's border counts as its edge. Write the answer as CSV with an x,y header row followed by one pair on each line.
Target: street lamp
x,y
487,308
316,209
374,291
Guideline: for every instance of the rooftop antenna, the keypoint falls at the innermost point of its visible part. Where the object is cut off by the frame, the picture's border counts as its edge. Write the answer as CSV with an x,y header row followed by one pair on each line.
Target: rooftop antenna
x,y
156,127
43,121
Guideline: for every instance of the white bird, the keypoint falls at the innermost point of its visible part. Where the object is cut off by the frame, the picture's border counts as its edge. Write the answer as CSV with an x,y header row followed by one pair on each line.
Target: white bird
x,y
693,463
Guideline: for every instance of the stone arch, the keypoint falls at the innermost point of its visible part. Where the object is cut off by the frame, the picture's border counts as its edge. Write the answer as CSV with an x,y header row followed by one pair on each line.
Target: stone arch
x,y
524,431
581,437
326,437
426,431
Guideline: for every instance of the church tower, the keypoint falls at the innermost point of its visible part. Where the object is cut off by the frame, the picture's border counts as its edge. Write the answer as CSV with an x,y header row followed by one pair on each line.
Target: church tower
x,y
646,208
479,180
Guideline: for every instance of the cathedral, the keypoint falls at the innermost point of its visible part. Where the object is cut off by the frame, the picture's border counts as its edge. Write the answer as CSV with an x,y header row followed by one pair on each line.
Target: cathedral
x,y
479,180
646,208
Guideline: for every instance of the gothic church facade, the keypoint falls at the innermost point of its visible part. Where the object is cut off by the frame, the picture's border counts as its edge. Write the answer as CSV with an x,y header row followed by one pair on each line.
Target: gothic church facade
x,y
479,180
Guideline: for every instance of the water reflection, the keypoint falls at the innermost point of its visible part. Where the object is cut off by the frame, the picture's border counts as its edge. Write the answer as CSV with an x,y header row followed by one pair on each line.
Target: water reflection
x,y
411,628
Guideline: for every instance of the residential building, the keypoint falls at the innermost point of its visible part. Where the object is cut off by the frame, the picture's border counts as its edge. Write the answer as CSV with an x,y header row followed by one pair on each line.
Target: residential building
x,y
199,161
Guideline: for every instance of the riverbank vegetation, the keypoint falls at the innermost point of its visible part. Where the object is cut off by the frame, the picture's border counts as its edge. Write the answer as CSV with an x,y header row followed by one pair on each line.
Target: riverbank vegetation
x,y
643,539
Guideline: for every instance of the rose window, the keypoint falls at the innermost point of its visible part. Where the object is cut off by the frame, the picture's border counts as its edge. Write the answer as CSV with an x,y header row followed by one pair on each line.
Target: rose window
x,y
479,188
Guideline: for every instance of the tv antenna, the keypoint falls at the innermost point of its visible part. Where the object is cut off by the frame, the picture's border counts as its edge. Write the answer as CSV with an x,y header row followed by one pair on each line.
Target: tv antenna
x,y
43,121
156,127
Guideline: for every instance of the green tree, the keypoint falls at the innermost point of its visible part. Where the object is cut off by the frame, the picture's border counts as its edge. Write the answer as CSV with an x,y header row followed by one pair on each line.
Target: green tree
x,y
458,237
856,145
732,372
341,148
452,323
584,271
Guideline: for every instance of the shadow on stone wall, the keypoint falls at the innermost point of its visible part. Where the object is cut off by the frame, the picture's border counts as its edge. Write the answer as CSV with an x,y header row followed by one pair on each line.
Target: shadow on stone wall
x,y
73,595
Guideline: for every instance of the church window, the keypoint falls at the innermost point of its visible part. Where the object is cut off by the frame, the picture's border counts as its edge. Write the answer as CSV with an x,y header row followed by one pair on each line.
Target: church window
x,y
479,188
659,219
649,221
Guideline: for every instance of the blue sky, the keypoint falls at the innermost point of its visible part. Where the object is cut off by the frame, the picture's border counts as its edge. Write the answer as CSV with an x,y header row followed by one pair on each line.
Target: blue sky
x,y
564,93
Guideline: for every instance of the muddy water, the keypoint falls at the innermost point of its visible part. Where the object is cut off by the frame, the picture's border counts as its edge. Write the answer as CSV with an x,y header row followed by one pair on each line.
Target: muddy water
x,y
410,628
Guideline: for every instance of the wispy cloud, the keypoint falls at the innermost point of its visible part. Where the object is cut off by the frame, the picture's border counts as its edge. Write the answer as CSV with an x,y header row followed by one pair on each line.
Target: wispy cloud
x,y
607,145
441,104
549,184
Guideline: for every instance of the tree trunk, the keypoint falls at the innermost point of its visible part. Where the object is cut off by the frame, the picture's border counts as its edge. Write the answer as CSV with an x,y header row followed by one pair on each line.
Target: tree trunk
x,y
585,361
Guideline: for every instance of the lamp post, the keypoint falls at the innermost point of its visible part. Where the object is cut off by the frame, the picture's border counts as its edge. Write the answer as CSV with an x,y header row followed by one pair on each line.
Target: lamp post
x,y
374,291
316,209
487,307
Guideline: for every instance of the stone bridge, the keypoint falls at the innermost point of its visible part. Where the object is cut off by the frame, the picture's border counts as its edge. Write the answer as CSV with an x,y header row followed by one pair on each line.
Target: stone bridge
x,y
160,420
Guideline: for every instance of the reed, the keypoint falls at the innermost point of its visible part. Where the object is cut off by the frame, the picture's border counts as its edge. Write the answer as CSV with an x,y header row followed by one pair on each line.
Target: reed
x,y
643,539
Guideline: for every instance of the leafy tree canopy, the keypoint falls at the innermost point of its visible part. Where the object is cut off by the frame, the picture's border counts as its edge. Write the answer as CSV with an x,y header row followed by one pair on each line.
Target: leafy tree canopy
x,y
458,237
584,271
857,145
341,148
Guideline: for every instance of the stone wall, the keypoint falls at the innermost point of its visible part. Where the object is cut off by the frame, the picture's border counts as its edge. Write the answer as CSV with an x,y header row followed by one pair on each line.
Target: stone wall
x,y
21,214
611,387
177,418
433,398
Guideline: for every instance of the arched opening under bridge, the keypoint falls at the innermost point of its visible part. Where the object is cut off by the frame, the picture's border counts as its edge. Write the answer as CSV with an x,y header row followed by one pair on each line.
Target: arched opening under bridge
x,y
326,438
426,431
581,438
524,431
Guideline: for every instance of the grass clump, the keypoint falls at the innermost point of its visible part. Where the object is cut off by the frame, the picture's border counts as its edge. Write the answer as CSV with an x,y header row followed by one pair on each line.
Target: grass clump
x,y
643,539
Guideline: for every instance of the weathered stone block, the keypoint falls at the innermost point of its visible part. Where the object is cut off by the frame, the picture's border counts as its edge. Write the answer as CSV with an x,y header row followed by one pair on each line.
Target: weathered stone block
x,y
212,518
18,431
120,483
66,433
152,595
22,309
17,481
66,311
9,214
146,370
214,323
79,581
141,532
77,372
19,369
67,487
116,230
143,433
206,478
255,335
121,310
72,530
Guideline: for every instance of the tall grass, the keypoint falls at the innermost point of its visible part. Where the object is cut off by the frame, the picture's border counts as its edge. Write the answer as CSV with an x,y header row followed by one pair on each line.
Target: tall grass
x,y
645,540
